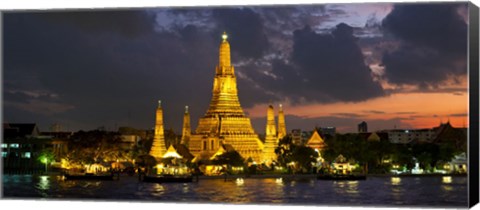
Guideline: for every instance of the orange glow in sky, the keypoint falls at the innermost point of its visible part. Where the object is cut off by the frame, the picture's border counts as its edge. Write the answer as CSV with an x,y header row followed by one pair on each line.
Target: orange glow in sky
x,y
419,110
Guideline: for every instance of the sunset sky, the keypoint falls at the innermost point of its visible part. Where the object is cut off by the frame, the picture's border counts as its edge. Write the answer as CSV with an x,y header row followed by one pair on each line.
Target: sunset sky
x,y
391,65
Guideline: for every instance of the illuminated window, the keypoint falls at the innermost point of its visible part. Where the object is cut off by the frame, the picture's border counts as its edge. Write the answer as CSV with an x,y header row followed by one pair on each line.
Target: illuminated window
x,y
4,154
204,145
26,155
14,145
4,145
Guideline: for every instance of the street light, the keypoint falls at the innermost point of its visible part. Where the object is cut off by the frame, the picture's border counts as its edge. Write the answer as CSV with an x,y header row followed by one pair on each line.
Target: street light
x,y
45,161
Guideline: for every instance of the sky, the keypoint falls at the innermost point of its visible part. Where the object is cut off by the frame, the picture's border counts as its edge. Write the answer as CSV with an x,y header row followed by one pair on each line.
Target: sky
x,y
391,65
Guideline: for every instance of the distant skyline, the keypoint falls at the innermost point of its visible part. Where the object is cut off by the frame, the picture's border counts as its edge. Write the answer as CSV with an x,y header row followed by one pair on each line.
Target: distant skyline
x,y
391,65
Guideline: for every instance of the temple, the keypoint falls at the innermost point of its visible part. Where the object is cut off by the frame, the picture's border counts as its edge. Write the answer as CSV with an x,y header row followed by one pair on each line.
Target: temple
x,y
186,130
225,122
271,140
158,147
282,128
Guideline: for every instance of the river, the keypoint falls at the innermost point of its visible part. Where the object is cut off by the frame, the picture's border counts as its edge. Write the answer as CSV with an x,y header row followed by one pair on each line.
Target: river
x,y
440,191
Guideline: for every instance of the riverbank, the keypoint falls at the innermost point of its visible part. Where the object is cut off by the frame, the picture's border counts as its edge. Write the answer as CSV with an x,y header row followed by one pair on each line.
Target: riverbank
x,y
414,175
314,176
274,176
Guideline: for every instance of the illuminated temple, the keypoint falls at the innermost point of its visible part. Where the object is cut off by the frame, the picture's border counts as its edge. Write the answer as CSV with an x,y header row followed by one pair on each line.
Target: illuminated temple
x,y
225,121
158,146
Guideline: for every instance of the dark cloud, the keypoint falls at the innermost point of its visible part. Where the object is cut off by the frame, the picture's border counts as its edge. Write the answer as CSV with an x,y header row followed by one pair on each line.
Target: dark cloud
x,y
87,69
374,112
131,23
350,115
324,68
405,112
334,64
246,30
433,44
110,79
459,115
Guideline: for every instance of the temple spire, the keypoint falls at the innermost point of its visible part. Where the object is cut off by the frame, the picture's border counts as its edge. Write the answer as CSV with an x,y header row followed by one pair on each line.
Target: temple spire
x,y
270,137
282,129
186,131
225,122
158,147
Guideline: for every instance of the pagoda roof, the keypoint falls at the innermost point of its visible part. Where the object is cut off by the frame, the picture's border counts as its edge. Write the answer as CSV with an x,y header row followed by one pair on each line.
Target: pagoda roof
x,y
184,152
316,141
223,149
20,130
171,152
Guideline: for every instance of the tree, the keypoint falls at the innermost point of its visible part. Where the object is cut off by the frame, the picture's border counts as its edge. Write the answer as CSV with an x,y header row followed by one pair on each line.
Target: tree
x,y
284,151
88,147
403,155
146,161
232,158
301,156
304,156
46,156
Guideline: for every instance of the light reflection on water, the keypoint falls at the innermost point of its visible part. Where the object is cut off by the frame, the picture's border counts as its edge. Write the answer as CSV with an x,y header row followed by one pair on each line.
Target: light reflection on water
x,y
447,179
347,188
434,191
396,180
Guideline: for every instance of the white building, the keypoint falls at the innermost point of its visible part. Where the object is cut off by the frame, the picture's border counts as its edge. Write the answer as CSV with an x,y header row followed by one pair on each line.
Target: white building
x,y
405,136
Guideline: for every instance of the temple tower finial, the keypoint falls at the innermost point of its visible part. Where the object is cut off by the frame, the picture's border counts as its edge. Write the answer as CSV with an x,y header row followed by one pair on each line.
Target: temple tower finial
x,y
224,36
224,60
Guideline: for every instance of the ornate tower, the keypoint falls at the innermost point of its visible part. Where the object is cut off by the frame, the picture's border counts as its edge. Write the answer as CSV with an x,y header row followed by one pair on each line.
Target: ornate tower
x,y
186,131
270,137
158,147
225,121
282,129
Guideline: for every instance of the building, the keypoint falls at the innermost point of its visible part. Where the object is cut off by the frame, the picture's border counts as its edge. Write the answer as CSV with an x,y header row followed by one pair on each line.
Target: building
x,y
271,138
440,134
297,136
131,137
331,131
23,144
316,142
282,128
446,133
405,136
362,127
158,146
186,130
225,122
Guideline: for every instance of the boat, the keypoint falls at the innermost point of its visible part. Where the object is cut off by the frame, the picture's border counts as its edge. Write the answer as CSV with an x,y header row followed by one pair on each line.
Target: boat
x,y
168,178
89,176
348,177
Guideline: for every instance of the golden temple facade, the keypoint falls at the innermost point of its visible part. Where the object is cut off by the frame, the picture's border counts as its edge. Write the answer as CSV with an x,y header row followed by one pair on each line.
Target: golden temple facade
x,y
225,122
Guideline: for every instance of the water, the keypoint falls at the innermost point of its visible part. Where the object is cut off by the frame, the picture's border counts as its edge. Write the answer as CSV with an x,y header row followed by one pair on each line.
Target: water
x,y
385,191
